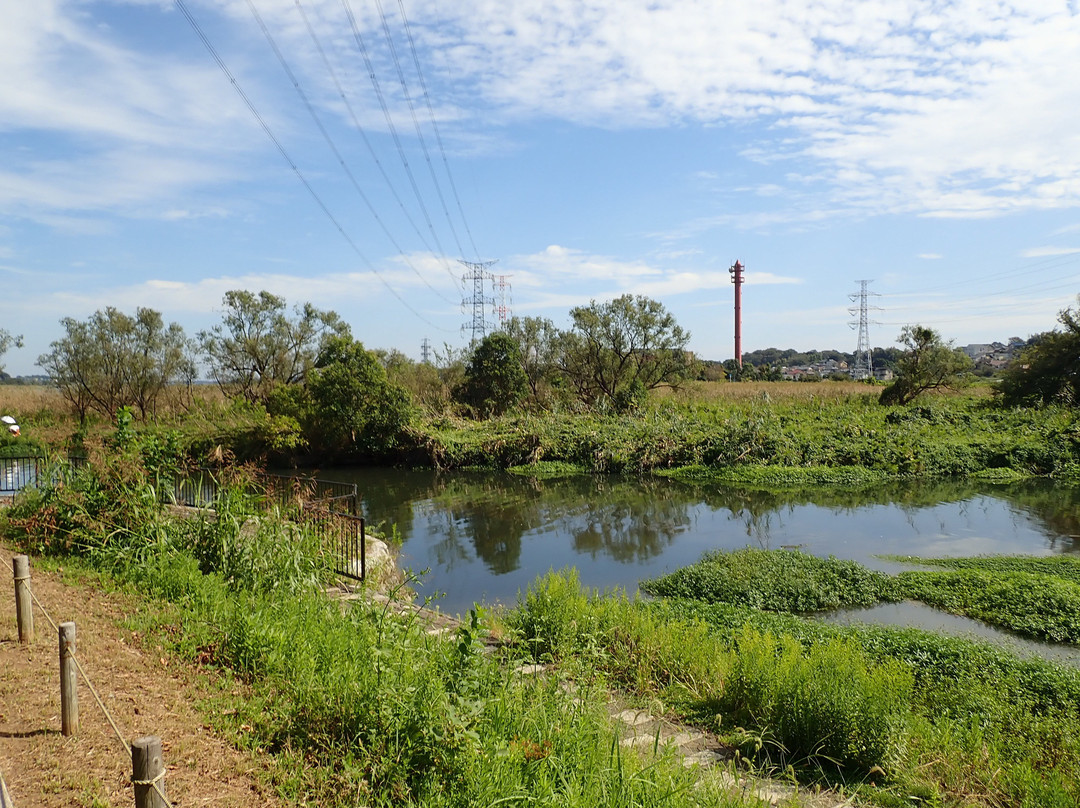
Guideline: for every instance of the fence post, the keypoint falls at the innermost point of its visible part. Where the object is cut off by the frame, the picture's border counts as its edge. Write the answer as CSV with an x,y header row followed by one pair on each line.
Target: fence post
x,y
363,551
69,693
148,770
24,605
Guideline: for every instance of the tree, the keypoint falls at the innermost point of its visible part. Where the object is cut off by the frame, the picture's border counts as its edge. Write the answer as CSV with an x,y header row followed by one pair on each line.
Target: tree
x,y
113,360
495,380
1048,370
617,351
354,409
258,345
7,341
537,341
928,364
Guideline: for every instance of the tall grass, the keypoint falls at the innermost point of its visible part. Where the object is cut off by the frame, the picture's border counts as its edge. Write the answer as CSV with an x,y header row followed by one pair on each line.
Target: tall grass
x,y
356,705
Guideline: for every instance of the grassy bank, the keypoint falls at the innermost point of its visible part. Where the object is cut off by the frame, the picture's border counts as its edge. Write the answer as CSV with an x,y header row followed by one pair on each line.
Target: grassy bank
x,y
905,716
770,435
354,705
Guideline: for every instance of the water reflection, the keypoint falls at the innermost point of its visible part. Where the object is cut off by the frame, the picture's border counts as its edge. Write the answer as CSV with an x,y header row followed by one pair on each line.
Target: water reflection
x,y
487,535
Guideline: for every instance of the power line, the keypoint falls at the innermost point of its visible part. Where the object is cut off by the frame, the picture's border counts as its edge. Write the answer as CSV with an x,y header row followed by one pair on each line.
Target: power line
x,y
333,147
359,39
435,127
416,122
285,155
359,126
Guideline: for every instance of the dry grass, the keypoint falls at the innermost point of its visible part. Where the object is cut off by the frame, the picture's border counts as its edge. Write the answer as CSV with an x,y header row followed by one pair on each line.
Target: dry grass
x,y
713,392
25,400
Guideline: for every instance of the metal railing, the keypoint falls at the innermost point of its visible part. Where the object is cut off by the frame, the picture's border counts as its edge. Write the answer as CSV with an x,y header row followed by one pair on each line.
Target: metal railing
x,y
329,507
17,473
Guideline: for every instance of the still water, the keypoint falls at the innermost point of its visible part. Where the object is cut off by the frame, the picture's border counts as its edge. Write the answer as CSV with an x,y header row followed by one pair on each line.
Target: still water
x,y
486,536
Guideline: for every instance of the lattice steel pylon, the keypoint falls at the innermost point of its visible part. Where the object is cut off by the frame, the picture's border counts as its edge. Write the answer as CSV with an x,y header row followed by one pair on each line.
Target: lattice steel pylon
x,y
864,360
477,274
425,351
503,298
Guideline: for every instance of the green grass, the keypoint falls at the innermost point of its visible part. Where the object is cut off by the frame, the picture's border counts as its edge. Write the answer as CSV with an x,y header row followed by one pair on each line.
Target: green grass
x,y
782,581
925,719
352,705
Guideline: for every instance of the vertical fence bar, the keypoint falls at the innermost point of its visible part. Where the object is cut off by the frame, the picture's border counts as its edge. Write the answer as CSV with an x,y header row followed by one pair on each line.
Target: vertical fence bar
x,y
363,551
24,605
147,771
69,692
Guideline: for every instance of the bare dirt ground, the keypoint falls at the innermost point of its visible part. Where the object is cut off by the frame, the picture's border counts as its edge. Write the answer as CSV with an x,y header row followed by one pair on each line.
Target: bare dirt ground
x,y
145,691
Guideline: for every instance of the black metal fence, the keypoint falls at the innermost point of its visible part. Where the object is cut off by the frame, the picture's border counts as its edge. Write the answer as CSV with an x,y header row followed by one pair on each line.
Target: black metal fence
x,y
17,473
328,507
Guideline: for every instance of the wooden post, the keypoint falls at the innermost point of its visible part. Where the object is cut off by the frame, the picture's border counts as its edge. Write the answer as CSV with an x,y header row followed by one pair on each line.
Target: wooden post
x,y
69,693
24,604
148,769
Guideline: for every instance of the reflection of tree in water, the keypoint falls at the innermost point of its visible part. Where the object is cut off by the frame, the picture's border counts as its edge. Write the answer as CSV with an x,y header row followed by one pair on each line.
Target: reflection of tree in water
x,y
1056,506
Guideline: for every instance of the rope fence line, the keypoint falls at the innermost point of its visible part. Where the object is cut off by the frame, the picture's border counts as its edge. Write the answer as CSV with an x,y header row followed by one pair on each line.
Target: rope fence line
x,y
144,752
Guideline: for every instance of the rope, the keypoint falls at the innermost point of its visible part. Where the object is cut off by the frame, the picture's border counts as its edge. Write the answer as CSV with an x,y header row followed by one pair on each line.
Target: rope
x,y
154,783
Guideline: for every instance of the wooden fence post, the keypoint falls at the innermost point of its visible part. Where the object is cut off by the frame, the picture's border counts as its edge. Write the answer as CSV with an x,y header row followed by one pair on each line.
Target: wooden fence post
x,y
24,605
148,769
69,693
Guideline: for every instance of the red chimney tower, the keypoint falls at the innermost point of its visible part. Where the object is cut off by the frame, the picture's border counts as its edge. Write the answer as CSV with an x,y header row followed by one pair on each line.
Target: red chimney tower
x,y
737,279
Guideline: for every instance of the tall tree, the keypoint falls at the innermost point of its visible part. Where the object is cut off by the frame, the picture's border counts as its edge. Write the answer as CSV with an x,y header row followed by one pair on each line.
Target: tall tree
x,y
354,409
494,379
258,345
7,341
114,360
617,350
929,363
1048,370
537,340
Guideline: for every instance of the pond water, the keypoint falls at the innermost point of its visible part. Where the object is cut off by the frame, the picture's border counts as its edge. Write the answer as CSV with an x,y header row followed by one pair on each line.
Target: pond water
x,y
483,537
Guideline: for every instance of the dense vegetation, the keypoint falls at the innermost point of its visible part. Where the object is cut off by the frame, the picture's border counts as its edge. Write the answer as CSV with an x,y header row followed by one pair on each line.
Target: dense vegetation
x,y
925,719
353,706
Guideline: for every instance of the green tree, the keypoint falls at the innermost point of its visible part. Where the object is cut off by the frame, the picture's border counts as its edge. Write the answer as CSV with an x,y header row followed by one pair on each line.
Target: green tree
x,y
1048,370
929,363
113,360
7,341
259,346
537,342
494,380
616,351
353,409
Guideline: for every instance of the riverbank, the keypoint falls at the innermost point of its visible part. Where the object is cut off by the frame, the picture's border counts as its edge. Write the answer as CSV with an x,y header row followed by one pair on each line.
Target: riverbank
x,y
767,434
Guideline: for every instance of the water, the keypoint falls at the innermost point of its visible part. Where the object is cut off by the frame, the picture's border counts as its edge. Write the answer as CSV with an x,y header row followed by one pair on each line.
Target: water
x,y
483,537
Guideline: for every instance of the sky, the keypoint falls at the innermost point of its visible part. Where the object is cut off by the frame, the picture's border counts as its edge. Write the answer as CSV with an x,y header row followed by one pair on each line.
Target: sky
x,y
352,153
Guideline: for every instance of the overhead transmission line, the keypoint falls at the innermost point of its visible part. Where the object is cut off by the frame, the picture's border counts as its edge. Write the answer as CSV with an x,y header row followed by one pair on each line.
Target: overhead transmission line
x,y
435,126
359,39
180,4
359,127
333,147
416,122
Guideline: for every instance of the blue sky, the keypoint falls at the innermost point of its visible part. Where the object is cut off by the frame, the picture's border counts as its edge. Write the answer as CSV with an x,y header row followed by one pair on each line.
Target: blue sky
x,y
592,147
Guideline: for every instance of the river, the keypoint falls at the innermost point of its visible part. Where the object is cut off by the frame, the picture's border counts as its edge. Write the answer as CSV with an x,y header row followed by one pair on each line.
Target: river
x,y
482,536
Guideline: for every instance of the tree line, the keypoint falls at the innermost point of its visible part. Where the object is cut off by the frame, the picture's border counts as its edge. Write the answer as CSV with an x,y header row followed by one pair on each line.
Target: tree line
x,y
303,364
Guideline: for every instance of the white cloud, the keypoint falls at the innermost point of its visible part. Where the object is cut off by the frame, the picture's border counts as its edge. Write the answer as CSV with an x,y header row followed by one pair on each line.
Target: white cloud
x,y
1043,252
930,256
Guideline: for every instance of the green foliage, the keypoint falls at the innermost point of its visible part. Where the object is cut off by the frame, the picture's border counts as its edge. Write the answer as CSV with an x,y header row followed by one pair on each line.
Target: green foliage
x,y
778,581
258,346
495,380
829,704
828,707
537,340
114,360
930,363
1048,370
351,409
616,349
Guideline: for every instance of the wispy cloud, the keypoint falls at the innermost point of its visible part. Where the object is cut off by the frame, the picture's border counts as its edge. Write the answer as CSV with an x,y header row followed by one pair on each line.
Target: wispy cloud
x,y
930,256
1043,252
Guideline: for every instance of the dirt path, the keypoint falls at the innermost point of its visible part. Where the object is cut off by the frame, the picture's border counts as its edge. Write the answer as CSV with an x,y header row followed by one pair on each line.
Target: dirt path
x,y
145,692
